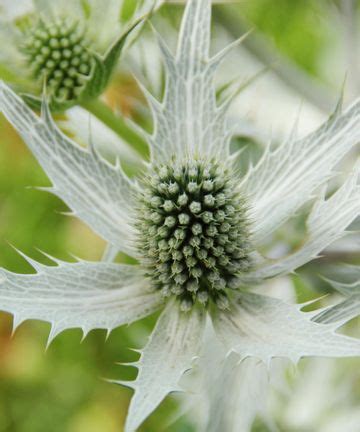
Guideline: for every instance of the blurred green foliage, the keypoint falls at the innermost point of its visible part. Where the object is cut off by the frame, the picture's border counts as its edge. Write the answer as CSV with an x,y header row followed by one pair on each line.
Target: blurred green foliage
x,y
298,28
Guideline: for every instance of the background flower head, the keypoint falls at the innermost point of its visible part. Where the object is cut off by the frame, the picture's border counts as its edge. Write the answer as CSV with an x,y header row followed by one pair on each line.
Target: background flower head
x,y
56,46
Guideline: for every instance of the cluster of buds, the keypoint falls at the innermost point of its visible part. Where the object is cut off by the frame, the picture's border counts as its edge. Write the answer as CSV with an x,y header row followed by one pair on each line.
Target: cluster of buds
x,y
194,234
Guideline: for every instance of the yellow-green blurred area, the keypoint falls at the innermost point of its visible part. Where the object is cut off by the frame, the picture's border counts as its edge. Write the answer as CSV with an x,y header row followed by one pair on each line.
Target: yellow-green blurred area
x,y
64,388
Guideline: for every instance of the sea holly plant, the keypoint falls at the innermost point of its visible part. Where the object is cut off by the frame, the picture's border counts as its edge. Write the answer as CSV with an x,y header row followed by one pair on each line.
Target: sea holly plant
x,y
57,45
194,226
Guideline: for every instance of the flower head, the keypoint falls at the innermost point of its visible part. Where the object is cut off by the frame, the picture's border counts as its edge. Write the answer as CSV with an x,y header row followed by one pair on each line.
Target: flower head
x,y
195,227
194,235
56,46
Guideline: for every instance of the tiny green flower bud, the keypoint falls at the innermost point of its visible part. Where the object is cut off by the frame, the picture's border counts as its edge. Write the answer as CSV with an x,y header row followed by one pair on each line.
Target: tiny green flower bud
x,y
163,172
177,267
163,232
166,291
196,229
183,199
156,217
211,230
203,297
192,286
209,200
170,221
196,272
195,242
225,227
186,305
168,206
173,188
188,251
223,239
208,243
208,185
220,284
180,279
211,262
202,254
218,251
155,201
184,219
222,302
177,255
192,187
179,234
207,217
191,262
195,207
193,171
163,245
230,248
224,260
230,210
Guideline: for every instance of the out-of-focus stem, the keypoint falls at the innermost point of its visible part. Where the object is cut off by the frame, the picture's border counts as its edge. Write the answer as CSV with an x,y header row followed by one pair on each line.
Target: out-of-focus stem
x,y
104,113
311,90
349,16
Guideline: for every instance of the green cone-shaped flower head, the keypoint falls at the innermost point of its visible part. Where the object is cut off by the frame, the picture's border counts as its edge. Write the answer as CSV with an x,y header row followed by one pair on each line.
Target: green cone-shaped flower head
x,y
59,56
194,232
57,47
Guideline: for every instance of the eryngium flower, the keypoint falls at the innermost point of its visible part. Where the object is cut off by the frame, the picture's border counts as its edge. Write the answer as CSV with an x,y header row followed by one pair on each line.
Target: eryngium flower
x,y
57,45
194,226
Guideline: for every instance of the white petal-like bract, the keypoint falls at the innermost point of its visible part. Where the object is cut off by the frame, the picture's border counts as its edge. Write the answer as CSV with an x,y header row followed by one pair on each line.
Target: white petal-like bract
x,y
78,295
264,327
187,122
174,343
97,192
327,222
285,178
234,391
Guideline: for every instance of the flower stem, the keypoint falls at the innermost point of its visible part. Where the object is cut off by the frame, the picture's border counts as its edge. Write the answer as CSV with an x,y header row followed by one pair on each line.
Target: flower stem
x,y
104,113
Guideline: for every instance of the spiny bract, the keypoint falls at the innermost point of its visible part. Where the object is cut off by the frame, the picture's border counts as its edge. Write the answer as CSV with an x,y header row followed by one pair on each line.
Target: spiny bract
x,y
193,231
59,56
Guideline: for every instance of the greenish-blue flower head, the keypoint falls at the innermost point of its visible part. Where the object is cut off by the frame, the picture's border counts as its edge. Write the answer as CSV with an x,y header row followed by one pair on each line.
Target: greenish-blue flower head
x,y
194,234
59,56
56,47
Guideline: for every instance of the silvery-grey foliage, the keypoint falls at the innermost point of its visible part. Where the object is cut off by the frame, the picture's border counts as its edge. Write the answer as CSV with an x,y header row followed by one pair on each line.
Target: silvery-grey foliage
x,y
189,128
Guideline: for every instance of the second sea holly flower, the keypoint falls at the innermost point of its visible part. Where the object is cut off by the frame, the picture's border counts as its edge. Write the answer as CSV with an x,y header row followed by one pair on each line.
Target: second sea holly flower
x,y
68,49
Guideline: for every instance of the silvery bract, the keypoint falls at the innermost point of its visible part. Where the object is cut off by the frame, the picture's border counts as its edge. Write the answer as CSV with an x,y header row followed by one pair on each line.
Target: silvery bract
x,y
58,45
228,394
195,228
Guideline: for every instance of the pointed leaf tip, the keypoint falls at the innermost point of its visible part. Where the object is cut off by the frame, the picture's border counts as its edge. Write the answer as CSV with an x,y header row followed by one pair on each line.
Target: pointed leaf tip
x,y
173,344
265,327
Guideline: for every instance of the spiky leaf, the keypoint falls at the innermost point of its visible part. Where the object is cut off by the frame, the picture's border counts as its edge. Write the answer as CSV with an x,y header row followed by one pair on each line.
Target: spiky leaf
x,y
265,327
327,222
285,178
188,122
97,192
174,343
83,294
